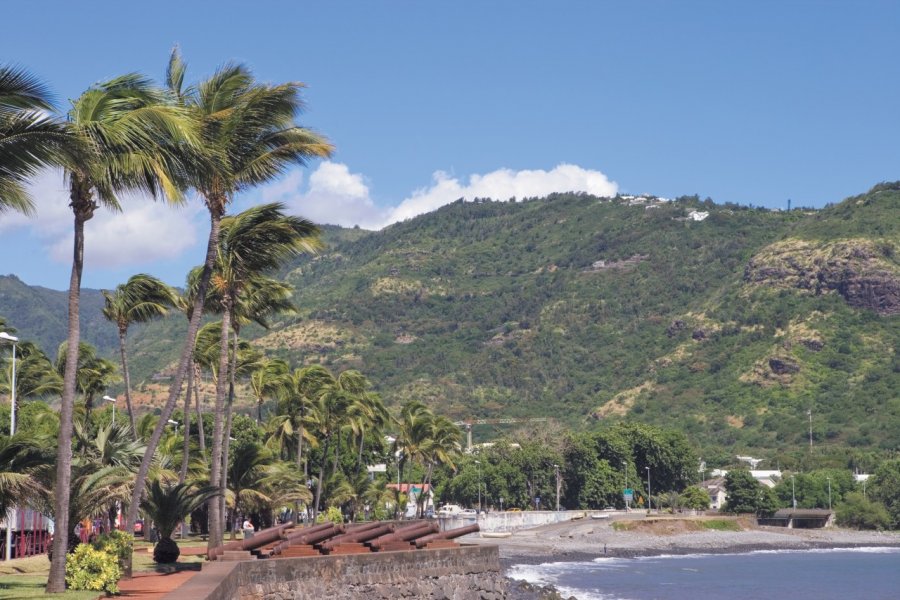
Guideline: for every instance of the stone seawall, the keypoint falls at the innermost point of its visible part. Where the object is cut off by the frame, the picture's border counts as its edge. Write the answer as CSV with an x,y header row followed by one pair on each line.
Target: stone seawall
x,y
466,573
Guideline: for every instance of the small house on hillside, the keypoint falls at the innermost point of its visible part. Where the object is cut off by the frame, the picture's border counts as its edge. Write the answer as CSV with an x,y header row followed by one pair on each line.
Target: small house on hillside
x,y
715,487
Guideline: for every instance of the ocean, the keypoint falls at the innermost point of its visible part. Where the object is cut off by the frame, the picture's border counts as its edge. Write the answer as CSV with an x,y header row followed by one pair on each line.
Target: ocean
x,y
835,574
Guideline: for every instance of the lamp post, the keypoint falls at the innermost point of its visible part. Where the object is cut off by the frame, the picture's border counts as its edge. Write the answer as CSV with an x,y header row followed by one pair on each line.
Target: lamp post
x,y
478,469
175,423
829,492
112,401
10,513
557,486
649,493
624,493
793,493
809,414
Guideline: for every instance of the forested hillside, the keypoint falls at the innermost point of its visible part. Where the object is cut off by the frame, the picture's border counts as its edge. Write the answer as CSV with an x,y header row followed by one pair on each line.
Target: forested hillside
x,y
726,321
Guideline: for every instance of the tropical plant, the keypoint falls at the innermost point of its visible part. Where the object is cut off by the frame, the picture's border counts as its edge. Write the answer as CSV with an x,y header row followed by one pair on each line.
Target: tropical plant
x,y
29,138
140,299
93,375
167,506
249,137
21,458
125,127
93,569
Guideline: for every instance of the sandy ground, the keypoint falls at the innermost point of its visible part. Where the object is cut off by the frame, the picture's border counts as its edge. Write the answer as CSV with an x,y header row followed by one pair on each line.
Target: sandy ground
x,y
586,538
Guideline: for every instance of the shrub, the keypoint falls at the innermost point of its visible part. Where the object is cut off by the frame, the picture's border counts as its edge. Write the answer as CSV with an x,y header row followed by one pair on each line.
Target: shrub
x,y
95,570
333,514
861,513
118,543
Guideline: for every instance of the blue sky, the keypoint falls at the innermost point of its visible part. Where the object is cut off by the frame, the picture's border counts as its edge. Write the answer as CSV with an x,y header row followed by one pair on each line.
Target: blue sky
x,y
745,102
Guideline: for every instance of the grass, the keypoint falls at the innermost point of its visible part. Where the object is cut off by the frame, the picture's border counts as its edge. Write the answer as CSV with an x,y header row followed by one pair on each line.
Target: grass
x,y
18,587
721,524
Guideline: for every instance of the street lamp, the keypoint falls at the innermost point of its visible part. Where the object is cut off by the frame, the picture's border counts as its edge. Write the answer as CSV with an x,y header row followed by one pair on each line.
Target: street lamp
x,y
557,486
478,468
625,489
829,492
793,493
112,401
10,513
175,423
649,493
12,388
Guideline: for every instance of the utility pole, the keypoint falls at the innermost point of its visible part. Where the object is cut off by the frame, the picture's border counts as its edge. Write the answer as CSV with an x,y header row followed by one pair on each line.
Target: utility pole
x,y
557,486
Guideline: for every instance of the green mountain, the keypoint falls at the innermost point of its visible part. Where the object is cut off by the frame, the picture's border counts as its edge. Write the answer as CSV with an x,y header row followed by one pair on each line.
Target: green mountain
x,y
726,321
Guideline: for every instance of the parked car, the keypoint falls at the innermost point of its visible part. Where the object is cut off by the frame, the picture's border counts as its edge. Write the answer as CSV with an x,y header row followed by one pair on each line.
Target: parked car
x,y
468,512
139,527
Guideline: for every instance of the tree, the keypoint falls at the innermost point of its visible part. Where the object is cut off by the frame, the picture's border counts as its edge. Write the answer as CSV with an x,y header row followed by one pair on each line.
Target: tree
x,y
268,380
859,512
121,125
248,137
747,495
142,298
21,457
695,498
167,506
93,374
29,138
885,488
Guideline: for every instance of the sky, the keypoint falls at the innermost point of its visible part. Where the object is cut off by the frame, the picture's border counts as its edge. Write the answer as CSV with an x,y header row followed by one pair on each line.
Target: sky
x,y
427,102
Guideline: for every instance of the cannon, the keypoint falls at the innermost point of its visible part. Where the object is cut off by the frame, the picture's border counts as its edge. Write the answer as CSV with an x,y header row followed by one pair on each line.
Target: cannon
x,y
357,536
261,538
404,535
446,535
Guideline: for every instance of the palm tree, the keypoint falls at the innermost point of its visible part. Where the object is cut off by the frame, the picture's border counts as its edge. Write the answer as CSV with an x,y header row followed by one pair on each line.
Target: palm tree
x,y
29,138
268,380
249,137
35,375
167,506
257,240
93,374
121,124
442,447
21,456
332,397
140,299
244,480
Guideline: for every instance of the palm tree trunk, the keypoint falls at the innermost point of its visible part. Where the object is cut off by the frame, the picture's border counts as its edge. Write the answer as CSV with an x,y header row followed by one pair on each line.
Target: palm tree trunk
x,y
56,581
362,442
321,476
186,447
226,439
215,477
124,357
201,434
175,388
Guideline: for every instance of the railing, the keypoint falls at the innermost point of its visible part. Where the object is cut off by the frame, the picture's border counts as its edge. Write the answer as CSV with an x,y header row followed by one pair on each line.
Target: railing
x,y
30,536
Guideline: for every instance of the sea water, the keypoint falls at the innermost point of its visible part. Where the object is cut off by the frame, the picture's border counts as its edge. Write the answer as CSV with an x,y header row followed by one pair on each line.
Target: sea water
x,y
836,574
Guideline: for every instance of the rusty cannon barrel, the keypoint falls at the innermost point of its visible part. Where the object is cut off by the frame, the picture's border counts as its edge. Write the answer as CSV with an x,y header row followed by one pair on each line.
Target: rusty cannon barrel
x,y
447,535
405,534
297,535
318,536
263,537
358,536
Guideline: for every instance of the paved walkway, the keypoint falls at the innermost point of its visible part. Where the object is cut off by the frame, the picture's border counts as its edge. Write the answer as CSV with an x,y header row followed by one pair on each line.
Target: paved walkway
x,y
152,585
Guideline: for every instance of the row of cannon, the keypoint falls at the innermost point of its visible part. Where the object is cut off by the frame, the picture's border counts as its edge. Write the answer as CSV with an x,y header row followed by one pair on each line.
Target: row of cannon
x,y
330,538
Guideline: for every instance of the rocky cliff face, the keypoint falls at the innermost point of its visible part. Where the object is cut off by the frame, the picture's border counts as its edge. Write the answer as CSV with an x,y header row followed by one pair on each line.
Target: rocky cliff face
x,y
864,272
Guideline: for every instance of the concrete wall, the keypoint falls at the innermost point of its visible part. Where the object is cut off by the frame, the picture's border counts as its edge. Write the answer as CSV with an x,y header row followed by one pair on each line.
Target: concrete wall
x,y
467,573
512,521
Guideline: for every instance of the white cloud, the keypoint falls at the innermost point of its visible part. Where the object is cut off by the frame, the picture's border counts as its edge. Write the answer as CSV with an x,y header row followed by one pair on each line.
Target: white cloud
x,y
337,196
143,232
